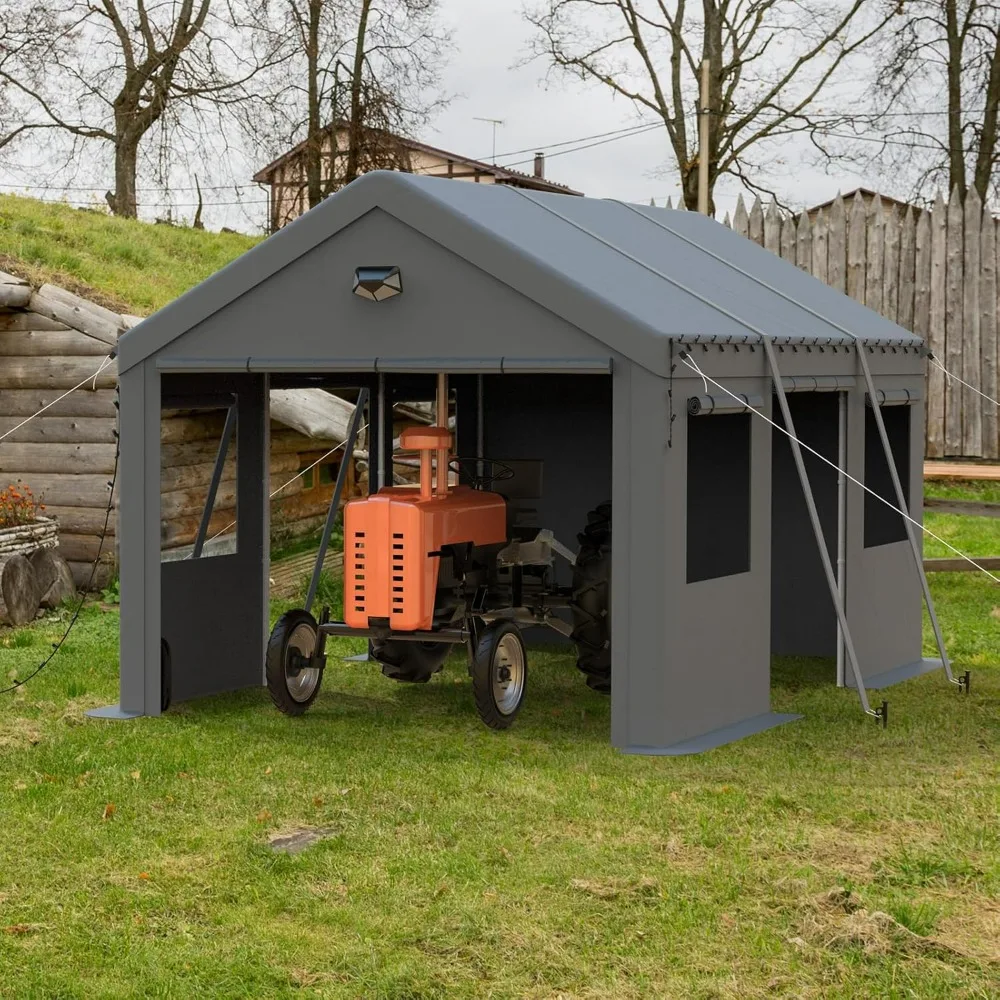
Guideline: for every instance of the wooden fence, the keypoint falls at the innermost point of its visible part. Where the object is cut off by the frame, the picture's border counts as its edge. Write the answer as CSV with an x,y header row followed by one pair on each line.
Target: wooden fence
x,y
933,272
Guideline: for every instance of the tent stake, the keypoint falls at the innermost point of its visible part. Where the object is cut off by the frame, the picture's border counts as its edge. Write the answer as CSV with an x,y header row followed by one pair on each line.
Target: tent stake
x,y
331,515
817,527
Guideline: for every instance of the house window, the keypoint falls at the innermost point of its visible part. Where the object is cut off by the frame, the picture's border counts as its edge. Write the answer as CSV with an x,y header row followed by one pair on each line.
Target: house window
x,y
718,496
317,476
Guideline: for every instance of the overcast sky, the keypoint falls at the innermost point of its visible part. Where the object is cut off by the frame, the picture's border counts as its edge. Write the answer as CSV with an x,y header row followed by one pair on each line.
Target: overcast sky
x,y
490,39
486,73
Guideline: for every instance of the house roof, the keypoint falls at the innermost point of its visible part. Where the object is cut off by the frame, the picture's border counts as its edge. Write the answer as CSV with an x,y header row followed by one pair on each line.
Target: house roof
x,y
630,276
502,175
868,195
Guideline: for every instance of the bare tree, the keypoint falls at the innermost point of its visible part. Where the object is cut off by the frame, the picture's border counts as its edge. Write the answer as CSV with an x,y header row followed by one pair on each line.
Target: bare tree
x,y
937,94
361,74
650,51
113,70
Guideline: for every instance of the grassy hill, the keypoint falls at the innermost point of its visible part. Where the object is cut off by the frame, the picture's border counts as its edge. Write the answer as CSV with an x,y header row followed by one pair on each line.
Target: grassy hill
x,y
126,265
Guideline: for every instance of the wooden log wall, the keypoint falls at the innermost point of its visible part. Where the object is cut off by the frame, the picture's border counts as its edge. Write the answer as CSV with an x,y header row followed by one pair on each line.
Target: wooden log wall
x,y
933,271
67,455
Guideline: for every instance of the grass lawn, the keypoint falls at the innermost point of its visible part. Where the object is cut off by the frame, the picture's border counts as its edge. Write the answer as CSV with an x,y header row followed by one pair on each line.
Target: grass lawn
x,y
129,266
459,862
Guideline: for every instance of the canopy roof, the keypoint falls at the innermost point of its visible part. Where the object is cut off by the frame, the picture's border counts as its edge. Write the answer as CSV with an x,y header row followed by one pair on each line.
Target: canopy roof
x,y
662,273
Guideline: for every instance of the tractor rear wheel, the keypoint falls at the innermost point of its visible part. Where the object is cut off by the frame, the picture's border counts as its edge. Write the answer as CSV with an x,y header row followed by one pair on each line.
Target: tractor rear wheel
x,y
291,682
499,674
591,600
410,662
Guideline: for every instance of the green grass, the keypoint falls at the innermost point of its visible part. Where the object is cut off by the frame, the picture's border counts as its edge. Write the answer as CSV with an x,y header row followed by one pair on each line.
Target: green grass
x,y
974,536
461,862
129,266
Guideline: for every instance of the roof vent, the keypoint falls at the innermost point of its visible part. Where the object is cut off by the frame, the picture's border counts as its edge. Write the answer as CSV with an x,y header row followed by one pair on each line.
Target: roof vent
x,y
539,165
377,283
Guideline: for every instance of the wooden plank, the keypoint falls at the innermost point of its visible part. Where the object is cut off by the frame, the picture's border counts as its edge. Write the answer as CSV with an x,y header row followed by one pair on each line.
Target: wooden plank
x,y
875,256
25,459
755,228
803,243
820,248
85,575
55,373
890,266
988,334
66,430
837,246
84,402
27,320
788,238
907,269
772,229
48,302
741,220
205,449
187,477
191,502
14,296
857,235
84,548
48,343
970,508
954,354
936,335
972,410
960,565
961,470
81,520
206,426
58,490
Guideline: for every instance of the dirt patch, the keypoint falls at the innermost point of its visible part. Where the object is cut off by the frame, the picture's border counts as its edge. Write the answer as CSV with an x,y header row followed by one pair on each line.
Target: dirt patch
x,y
836,921
615,888
297,841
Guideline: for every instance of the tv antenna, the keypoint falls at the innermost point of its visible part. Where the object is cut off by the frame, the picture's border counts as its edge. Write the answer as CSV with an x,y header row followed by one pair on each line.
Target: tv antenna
x,y
494,122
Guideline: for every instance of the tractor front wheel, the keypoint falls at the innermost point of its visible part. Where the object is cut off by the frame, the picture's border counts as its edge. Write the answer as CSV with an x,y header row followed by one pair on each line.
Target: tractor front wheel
x,y
291,682
499,674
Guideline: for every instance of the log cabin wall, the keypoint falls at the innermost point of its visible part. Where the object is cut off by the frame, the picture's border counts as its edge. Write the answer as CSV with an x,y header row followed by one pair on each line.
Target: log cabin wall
x,y
50,340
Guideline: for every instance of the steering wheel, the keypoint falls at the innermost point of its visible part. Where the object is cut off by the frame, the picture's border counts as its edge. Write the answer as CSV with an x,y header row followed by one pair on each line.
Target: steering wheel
x,y
469,470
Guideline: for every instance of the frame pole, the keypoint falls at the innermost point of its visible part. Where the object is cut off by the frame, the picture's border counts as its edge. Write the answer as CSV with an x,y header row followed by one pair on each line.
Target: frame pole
x,y
817,527
331,515
841,525
901,502
213,486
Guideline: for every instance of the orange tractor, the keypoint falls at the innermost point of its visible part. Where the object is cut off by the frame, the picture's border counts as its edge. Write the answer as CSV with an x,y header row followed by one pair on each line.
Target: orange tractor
x,y
437,565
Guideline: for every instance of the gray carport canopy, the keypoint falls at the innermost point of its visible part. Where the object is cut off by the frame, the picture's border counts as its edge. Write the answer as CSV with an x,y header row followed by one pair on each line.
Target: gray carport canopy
x,y
500,285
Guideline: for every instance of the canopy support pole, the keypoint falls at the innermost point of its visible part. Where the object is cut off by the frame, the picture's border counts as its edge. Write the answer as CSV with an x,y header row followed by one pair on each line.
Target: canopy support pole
x,y
213,486
841,526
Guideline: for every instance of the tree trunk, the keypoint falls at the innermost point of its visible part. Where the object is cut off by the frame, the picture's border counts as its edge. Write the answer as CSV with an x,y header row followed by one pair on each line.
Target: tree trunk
x,y
956,156
986,155
355,126
126,156
19,594
54,577
314,147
